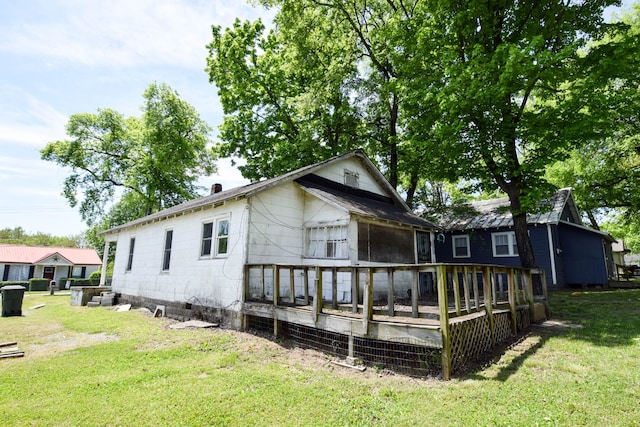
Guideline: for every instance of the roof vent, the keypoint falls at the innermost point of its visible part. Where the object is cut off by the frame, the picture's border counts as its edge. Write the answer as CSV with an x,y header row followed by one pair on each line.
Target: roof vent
x,y
352,179
216,188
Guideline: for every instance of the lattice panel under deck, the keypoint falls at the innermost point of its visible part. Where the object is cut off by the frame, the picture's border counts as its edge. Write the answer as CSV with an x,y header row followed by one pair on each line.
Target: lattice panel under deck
x,y
469,339
502,326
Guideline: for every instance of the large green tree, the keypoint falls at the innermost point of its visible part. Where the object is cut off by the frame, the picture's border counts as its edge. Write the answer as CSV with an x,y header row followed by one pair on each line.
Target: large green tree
x,y
152,162
323,81
515,90
489,91
605,172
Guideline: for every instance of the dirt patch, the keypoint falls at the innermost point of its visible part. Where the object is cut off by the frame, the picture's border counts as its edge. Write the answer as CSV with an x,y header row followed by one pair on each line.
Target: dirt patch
x,y
61,342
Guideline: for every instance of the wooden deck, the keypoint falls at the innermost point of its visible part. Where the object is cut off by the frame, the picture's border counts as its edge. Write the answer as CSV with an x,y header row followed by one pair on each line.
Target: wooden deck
x,y
459,309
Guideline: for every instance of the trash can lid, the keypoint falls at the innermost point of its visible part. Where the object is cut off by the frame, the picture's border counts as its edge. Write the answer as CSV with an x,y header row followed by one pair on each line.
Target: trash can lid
x,y
13,287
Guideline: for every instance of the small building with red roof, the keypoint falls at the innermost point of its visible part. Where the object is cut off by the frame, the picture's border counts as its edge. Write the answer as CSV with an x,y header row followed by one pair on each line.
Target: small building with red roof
x,y
19,263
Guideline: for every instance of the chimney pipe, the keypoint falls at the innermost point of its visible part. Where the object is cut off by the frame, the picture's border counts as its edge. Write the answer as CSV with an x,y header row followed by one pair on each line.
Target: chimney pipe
x,y
216,188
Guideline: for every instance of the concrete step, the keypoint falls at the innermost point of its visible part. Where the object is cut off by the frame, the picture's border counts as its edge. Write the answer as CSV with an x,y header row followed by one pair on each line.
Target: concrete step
x,y
93,304
107,301
96,298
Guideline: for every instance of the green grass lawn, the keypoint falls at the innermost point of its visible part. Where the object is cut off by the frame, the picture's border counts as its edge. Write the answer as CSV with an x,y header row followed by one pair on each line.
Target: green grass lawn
x,y
95,366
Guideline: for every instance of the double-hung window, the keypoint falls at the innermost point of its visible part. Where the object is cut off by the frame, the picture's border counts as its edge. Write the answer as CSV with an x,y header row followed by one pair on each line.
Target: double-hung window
x,y
504,244
132,244
166,258
461,247
215,238
327,242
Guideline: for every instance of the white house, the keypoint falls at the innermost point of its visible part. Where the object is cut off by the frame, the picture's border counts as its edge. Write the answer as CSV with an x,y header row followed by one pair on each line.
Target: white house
x,y
193,258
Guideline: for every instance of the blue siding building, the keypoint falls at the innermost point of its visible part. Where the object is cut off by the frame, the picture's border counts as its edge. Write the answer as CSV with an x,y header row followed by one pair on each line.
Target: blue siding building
x,y
570,253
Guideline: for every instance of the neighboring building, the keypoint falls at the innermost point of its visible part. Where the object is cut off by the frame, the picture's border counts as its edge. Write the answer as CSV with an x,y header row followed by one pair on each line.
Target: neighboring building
x,y
570,253
340,212
20,263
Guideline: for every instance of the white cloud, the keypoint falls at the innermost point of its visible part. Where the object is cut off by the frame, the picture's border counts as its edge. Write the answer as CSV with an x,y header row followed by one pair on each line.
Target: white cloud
x,y
126,33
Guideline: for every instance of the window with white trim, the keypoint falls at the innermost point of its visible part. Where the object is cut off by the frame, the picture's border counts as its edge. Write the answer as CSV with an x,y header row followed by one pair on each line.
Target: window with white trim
x,y
329,241
504,244
215,244
166,256
132,244
461,248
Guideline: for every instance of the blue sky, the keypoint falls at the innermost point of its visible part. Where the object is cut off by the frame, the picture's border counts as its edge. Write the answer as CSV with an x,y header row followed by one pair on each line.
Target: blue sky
x,y
61,57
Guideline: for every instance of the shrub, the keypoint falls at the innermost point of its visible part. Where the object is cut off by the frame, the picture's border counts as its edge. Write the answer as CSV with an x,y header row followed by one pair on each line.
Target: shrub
x,y
38,284
16,282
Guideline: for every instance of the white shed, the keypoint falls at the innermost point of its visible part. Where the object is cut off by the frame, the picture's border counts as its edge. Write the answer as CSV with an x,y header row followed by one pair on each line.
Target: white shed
x,y
192,258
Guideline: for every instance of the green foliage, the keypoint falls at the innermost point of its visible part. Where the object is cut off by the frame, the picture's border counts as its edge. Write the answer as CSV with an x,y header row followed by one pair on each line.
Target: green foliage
x,y
154,160
38,284
18,236
15,283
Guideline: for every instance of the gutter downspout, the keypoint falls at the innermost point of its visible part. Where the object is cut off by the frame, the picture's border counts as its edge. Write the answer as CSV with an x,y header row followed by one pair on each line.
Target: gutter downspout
x,y
552,255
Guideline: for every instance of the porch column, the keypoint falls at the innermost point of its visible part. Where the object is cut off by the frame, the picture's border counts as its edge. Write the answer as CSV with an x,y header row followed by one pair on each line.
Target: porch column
x,y
105,260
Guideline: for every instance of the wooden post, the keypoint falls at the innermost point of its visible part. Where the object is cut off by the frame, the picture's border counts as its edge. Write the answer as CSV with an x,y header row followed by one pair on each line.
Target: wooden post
x,y
488,304
334,288
276,285
390,293
354,289
317,301
262,295
367,300
476,290
528,286
455,282
443,304
466,284
292,286
305,271
511,289
247,283
415,286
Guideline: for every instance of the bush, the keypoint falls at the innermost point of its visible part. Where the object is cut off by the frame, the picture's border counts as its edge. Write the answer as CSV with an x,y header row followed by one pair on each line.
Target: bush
x,y
13,283
78,282
38,284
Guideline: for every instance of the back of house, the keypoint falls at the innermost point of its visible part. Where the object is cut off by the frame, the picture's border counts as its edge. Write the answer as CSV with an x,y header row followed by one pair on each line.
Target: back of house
x,y
193,258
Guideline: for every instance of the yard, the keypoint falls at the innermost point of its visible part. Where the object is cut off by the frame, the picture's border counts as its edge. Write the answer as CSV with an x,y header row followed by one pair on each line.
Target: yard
x,y
95,366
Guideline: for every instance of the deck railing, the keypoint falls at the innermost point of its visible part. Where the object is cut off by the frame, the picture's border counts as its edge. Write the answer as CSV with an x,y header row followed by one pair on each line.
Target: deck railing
x,y
438,294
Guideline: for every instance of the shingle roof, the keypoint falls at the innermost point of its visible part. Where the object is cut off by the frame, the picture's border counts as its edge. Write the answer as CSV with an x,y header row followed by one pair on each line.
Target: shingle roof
x,y
361,202
16,254
494,213
257,187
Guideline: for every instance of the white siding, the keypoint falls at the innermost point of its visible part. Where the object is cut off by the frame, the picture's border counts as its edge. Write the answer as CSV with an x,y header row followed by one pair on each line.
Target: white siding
x,y
276,229
215,282
335,172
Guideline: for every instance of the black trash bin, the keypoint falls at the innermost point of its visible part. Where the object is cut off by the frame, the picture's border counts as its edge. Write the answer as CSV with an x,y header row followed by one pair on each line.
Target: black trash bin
x,y
12,300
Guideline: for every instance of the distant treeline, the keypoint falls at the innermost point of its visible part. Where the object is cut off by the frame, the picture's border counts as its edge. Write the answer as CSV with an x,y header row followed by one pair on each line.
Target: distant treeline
x,y
17,236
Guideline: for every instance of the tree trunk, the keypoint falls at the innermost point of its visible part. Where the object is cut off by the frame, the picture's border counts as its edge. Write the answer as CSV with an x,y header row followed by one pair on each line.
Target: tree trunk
x,y
523,240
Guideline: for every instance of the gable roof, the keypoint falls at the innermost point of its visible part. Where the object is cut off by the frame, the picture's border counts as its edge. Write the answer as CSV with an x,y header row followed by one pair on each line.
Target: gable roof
x,y
494,213
17,254
360,202
260,186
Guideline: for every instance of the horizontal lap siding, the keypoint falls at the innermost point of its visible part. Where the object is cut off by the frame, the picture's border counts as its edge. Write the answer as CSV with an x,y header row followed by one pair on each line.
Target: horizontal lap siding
x,y
190,278
276,226
482,251
582,256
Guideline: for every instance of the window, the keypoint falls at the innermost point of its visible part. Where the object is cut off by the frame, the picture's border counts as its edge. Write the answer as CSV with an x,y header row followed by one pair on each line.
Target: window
x,y
220,243
222,236
166,259
132,244
461,246
327,242
504,244
207,233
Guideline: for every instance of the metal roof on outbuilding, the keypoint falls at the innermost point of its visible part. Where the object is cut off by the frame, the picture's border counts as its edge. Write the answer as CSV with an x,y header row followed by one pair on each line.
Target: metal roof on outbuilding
x,y
494,213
